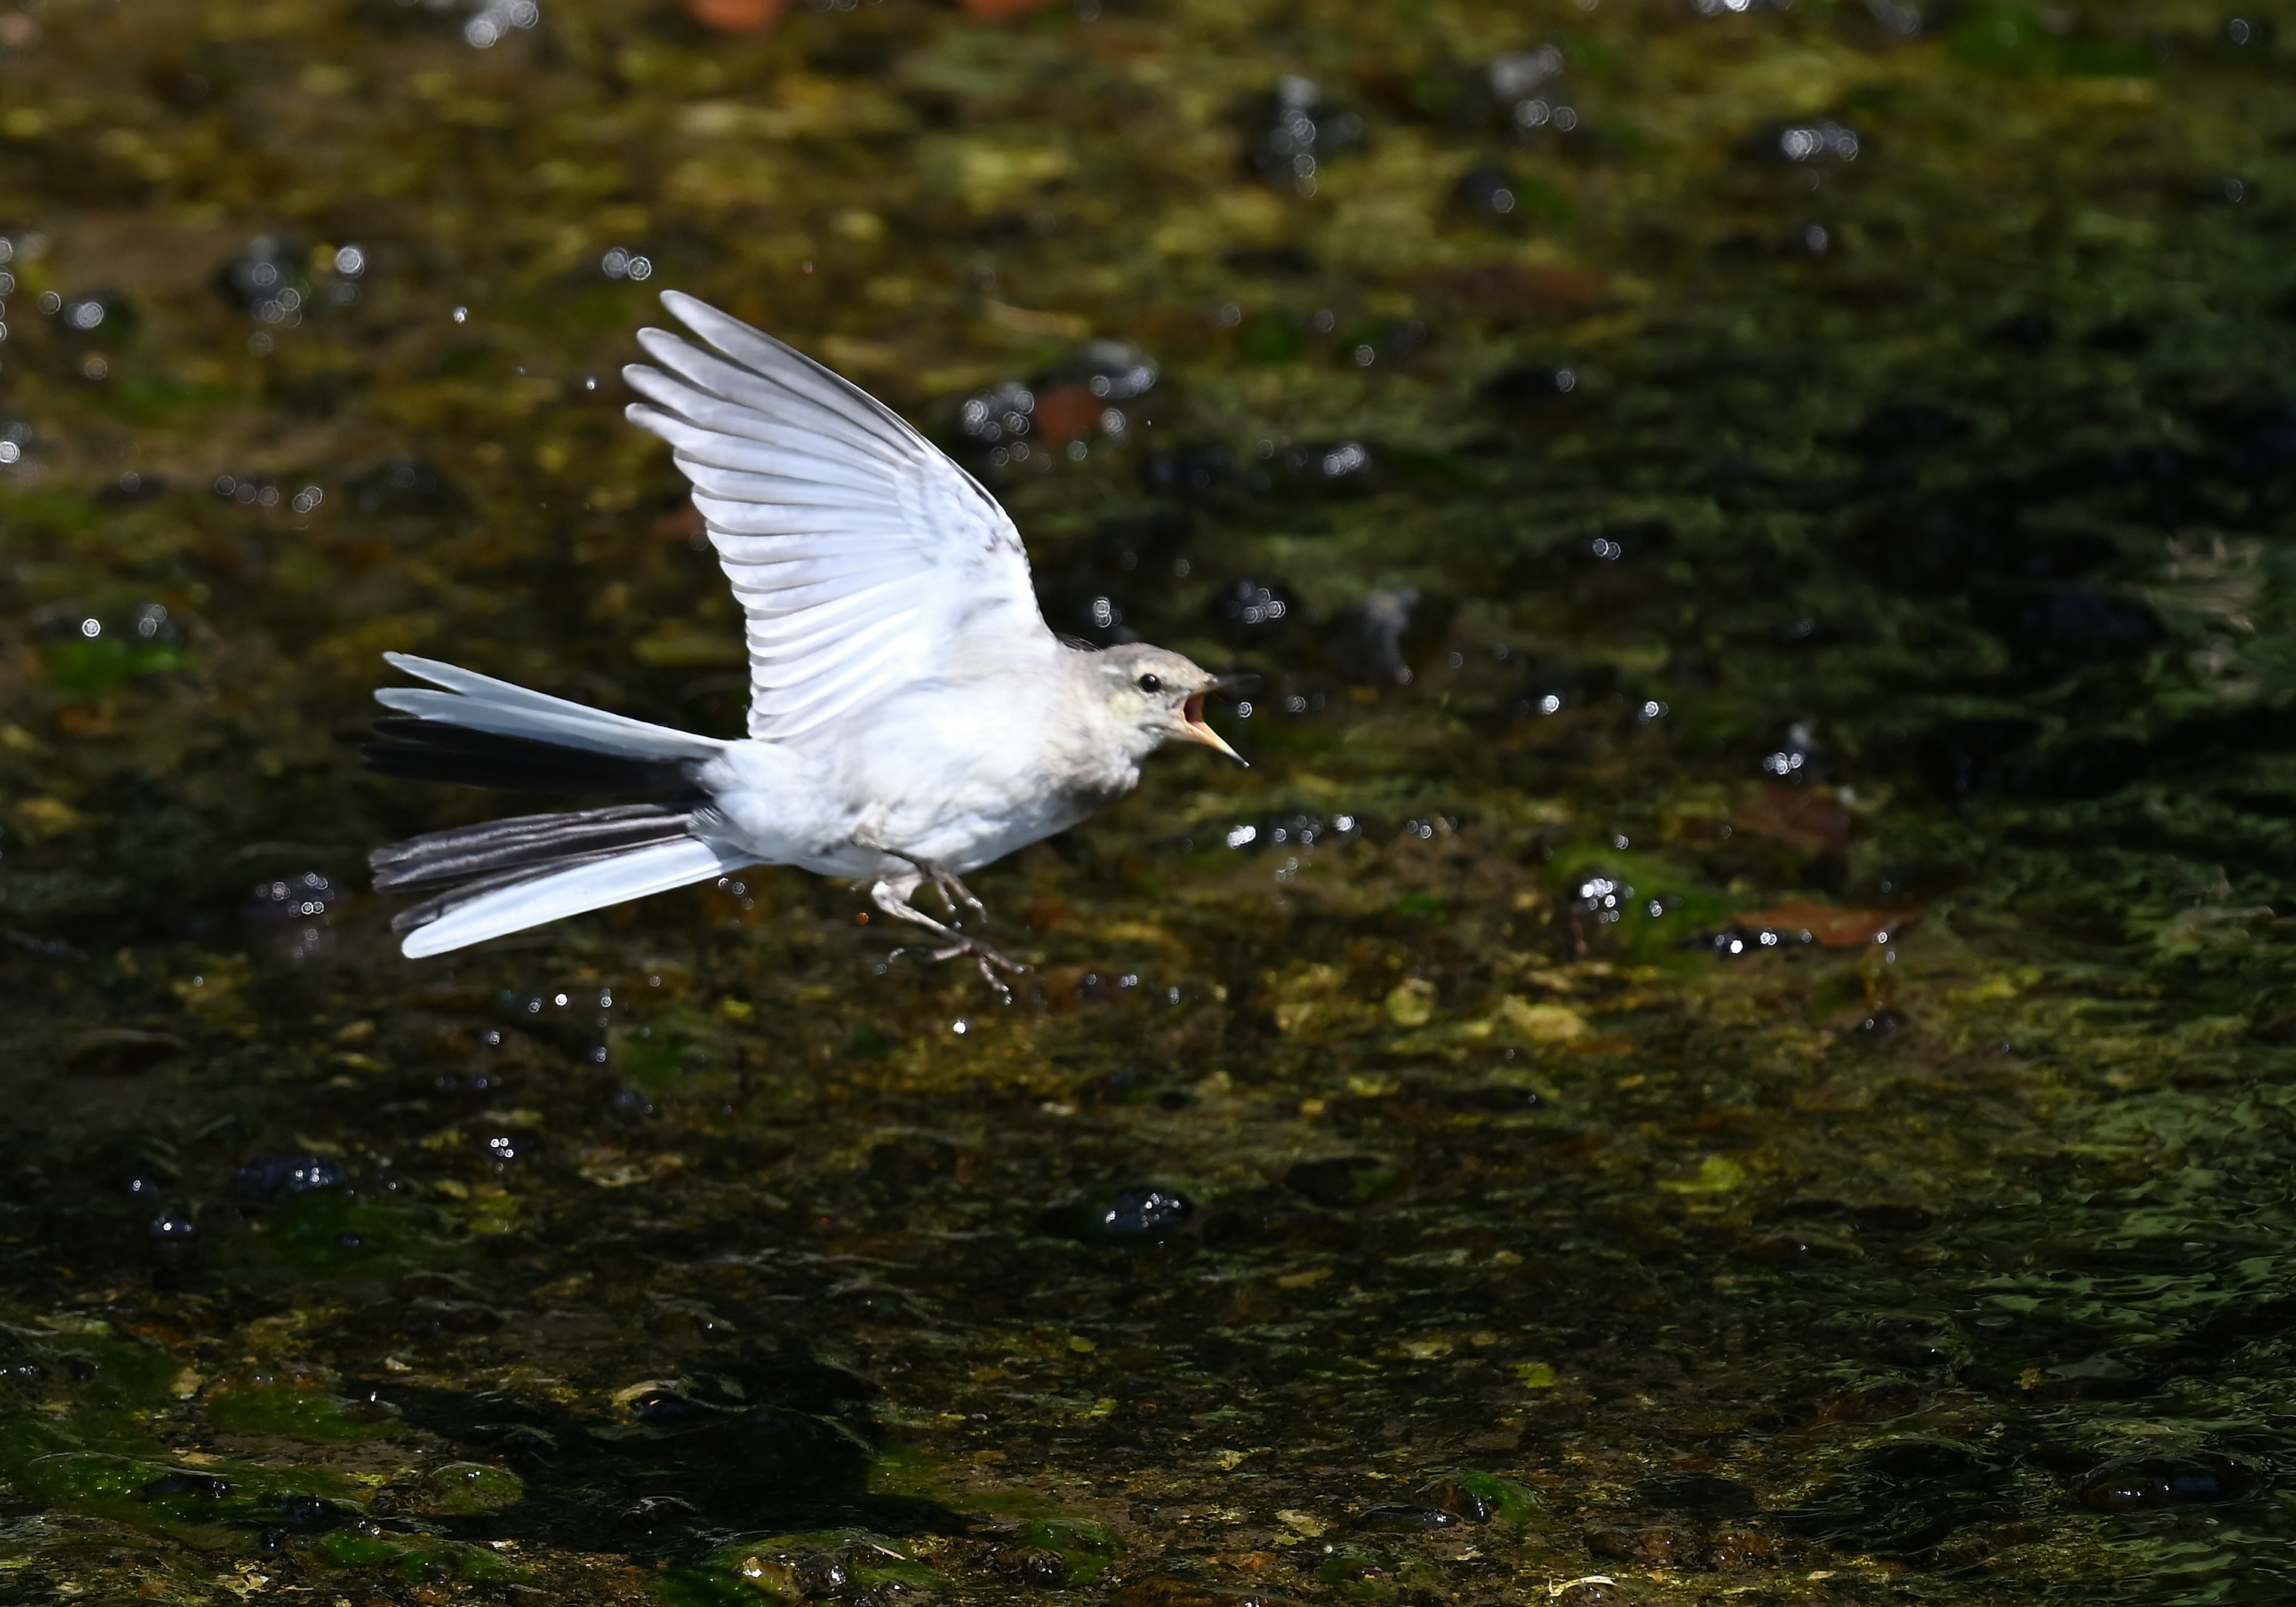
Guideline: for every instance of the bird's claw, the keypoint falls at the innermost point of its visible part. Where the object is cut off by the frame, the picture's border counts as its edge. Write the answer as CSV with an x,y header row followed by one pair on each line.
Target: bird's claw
x,y
952,891
984,955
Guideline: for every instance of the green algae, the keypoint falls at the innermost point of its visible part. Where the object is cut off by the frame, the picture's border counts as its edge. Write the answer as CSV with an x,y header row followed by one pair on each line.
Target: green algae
x,y
296,1411
1907,557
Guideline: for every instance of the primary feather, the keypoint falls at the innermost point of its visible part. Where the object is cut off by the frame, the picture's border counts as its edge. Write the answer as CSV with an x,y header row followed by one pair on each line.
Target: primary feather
x,y
864,560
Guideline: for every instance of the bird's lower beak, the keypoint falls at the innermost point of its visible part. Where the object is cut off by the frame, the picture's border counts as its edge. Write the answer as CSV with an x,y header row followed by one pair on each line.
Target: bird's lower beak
x,y
1191,725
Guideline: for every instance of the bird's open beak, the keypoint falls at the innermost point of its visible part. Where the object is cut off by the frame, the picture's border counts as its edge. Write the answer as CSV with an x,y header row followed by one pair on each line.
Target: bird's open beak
x,y
1191,725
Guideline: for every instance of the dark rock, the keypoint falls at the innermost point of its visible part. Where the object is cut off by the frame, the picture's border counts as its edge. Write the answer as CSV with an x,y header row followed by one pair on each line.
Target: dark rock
x,y
2072,628
286,1177
1532,382
2143,1483
130,488
1134,1215
307,1514
91,313
2123,337
1906,427
795,1452
431,1317
2258,444
1321,469
1455,1497
1383,639
406,486
1035,1566
198,1487
1903,1498
1488,192
1789,1248
1703,1494
1250,611
1292,131
1977,755
1591,1592
1203,469
666,1409
1892,1218
1337,1182
1282,261
264,279
2027,332
118,1050
1403,1520
1878,1025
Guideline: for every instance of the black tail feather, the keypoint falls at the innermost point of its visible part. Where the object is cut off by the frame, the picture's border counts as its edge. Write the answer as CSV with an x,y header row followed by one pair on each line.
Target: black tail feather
x,y
453,897
505,851
419,750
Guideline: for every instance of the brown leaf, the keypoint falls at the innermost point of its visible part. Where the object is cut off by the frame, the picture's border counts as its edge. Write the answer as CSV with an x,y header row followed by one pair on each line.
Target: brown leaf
x,y
1810,821
734,16
1831,925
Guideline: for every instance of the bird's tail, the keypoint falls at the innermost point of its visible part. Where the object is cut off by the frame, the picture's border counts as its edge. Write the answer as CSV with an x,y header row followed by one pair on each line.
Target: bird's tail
x,y
485,882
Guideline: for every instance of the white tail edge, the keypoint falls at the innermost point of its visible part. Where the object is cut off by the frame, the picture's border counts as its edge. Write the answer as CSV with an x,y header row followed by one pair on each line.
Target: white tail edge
x,y
481,703
573,892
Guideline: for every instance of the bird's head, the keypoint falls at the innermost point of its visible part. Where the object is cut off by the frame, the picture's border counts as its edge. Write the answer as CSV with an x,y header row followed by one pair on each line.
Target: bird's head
x,y
1160,695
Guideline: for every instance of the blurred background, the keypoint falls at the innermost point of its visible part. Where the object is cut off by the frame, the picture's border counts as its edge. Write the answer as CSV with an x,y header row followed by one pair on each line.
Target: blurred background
x,y
1733,1041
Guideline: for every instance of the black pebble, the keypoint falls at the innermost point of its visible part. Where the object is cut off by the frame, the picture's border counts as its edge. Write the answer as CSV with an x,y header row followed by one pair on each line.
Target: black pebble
x,y
285,1176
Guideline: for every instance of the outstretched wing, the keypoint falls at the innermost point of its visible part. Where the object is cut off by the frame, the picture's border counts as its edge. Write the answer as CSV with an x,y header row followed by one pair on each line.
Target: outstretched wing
x,y
866,560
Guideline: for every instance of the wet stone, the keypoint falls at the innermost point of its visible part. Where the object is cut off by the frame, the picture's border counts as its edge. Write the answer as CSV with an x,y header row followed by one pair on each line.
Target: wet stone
x,y
1132,1215
128,489
1532,383
1292,130
2027,332
1248,611
1875,1026
1890,1217
91,313
1404,1519
1458,1497
264,279
2123,337
1339,1181
1319,469
2143,1483
2074,627
1591,1592
1035,1566
1704,1495
286,1177
406,486
117,1050
1384,638
1487,193
1193,471
200,1486
1907,427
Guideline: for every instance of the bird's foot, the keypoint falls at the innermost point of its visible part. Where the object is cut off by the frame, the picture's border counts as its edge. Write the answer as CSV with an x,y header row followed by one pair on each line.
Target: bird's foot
x,y
952,892
949,942
985,955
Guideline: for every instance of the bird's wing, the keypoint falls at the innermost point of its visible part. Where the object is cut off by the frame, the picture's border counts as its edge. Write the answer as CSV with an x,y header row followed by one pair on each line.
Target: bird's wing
x,y
866,560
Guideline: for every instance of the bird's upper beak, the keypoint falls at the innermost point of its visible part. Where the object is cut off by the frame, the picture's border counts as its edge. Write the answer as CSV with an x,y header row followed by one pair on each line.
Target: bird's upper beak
x,y
1190,723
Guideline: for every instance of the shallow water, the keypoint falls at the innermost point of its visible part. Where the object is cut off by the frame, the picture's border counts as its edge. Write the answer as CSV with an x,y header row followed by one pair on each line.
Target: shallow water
x,y
1733,1041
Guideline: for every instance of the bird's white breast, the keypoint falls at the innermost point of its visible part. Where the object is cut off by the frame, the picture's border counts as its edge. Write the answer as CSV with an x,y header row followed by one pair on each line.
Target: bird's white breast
x,y
960,774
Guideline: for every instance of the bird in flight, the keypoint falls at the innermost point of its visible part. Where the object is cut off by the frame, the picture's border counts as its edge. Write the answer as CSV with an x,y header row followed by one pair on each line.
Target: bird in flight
x,y
912,717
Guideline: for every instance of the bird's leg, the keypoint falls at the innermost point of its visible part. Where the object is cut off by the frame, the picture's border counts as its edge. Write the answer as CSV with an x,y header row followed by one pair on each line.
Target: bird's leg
x,y
893,898
945,882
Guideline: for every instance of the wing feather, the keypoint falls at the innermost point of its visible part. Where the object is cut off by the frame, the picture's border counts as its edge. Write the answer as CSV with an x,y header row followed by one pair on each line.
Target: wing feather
x,y
866,560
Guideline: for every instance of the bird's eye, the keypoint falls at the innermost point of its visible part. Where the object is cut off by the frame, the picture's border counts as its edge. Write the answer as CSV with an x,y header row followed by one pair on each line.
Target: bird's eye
x,y
1149,684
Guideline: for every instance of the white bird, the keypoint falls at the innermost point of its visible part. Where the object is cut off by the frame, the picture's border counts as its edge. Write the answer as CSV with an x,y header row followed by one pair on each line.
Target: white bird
x,y
911,716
